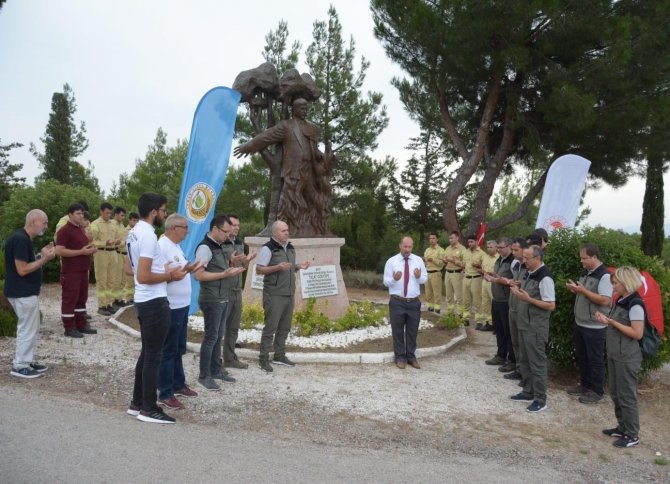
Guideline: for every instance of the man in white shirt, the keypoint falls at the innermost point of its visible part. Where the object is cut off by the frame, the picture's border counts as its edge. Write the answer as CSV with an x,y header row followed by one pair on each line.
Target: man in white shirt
x,y
403,275
152,274
171,378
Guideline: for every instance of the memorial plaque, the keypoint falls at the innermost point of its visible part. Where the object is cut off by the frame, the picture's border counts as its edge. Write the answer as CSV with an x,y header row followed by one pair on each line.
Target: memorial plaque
x,y
318,281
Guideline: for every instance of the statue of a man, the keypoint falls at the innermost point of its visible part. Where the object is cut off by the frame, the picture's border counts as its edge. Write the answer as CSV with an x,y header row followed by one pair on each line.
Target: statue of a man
x,y
304,202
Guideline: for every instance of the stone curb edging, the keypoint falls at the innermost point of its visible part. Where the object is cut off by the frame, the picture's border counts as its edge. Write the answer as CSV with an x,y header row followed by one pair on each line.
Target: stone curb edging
x,y
315,357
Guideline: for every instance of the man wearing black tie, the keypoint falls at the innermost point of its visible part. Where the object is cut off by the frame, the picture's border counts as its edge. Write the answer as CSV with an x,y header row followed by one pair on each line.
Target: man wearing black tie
x,y
403,274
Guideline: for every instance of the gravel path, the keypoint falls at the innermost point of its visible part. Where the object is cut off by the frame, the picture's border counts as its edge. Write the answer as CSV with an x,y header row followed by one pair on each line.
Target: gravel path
x,y
455,407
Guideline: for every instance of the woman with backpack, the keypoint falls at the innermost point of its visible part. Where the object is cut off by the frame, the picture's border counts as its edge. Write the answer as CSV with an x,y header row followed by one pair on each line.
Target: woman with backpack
x,y
625,327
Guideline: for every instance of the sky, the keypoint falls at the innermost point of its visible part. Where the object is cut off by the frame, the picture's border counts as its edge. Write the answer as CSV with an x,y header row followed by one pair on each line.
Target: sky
x,y
138,65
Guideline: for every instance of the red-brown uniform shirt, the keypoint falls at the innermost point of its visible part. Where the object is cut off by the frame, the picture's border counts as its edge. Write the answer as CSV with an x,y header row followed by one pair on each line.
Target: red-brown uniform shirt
x,y
73,237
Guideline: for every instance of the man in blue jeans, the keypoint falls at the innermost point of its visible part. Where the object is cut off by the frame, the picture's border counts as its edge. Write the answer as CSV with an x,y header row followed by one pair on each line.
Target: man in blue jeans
x,y
152,273
171,378
213,299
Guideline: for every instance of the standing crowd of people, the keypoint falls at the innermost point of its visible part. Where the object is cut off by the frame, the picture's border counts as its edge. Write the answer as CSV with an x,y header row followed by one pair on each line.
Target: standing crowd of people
x,y
515,290
160,290
508,288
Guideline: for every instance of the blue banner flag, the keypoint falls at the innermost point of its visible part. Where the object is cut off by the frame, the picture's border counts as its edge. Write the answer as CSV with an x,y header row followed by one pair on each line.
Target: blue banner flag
x,y
206,167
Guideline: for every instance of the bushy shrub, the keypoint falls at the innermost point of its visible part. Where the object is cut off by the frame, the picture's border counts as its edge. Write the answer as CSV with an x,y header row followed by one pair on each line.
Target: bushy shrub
x,y
7,323
7,317
310,320
252,314
450,321
616,249
361,315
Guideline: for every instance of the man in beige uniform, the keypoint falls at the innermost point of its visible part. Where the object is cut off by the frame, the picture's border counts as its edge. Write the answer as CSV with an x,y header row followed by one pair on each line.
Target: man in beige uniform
x,y
472,279
106,241
453,279
488,263
121,251
432,258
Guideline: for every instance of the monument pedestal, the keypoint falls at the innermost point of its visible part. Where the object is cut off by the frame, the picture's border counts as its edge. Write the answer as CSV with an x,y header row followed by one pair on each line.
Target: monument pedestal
x,y
323,277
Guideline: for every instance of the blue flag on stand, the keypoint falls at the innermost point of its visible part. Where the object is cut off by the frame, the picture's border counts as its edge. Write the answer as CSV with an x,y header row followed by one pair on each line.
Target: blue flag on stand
x,y
206,167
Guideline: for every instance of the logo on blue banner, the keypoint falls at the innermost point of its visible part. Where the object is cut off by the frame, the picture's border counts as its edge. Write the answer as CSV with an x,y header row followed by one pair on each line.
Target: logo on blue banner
x,y
200,199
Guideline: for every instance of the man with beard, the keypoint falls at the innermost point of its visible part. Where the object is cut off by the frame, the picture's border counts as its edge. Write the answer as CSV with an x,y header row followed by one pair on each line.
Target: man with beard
x,y
23,280
152,273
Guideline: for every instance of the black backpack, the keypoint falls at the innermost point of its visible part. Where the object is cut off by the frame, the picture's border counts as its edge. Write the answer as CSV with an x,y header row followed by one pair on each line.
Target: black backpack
x,y
650,340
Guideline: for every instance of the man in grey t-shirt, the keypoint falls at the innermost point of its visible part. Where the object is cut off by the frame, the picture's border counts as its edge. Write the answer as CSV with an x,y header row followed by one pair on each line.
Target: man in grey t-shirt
x,y
593,293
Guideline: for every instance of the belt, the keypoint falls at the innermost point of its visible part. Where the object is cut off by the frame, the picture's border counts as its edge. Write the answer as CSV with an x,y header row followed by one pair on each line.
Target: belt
x,y
472,277
108,250
122,253
404,299
433,272
452,271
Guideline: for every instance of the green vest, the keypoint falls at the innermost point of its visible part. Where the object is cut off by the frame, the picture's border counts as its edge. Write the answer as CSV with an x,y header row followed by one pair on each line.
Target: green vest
x,y
502,268
218,290
233,283
518,273
280,283
528,316
585,310
619,346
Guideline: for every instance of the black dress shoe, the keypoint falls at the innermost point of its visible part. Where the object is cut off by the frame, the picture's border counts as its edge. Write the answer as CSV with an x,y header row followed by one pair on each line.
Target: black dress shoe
x,y
88,330
515,375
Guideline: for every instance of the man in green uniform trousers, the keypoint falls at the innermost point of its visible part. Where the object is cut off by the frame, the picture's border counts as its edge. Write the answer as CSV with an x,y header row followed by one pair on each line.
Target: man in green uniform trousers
x,y
432,257
234,246
276,263
536,301
453,279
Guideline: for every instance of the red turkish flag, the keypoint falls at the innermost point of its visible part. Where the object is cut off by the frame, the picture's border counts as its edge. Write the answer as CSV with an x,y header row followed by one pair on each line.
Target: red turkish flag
x,y
480,234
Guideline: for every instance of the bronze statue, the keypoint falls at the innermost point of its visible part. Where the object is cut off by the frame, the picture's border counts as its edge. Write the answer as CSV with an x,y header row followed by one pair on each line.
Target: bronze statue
x,y
300,172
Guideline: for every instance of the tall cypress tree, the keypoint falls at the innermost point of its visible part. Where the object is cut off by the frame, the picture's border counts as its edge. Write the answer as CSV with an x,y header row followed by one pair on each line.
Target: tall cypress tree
x,y
653,209
63,141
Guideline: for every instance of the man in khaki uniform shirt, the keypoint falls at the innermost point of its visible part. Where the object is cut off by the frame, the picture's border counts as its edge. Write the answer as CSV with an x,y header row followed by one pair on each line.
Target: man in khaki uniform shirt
x,y
106,241
432,258
121,251
453,278
488,263
472,279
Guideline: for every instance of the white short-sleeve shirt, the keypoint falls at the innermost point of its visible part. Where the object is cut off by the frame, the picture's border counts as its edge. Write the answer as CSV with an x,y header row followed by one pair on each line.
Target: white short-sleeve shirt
x,y
178,292
142,242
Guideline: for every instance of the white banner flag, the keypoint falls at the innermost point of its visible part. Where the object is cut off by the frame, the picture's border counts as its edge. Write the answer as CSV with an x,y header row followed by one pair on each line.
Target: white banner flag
x,y
563,192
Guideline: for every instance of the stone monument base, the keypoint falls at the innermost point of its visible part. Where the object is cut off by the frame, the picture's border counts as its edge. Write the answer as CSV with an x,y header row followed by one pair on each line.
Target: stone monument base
x,y
322,254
